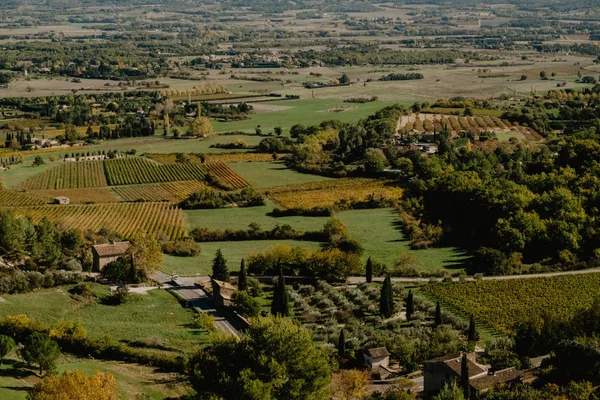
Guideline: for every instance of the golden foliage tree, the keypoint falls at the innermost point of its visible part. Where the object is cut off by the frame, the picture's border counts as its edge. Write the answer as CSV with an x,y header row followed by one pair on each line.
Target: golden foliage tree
x,y
202,127
75,385
145,251
349,384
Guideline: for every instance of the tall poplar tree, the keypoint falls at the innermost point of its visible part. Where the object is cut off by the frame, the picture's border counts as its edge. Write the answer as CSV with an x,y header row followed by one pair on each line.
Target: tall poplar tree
x,y
219,267
410,305
386,302
281,304
438,315
243,279
342,344
369,270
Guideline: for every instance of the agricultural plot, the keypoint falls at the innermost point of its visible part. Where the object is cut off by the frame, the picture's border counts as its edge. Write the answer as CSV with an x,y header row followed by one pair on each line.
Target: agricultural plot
x,y
430,123
379,232
269,174
124,218
233,157
135,170
78,196
330,192
504,303
226,175
68,175
170,191
12,198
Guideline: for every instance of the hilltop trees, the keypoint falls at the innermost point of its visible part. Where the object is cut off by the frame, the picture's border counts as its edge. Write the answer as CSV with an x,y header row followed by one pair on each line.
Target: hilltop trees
x,y
274,360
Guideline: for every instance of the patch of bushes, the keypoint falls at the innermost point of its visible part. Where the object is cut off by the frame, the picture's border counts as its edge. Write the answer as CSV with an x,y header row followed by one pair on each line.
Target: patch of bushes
x,y
17,281
254,232
208,199
181,248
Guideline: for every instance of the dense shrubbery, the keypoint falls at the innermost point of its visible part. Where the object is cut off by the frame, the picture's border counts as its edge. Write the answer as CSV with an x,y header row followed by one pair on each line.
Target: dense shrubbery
x,y
254,232
15,281
212,199
401,77
181,248
331,264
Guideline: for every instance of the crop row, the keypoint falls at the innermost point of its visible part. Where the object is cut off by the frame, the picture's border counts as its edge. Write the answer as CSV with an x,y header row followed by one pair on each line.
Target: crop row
x,y
68,175
478,123
135,170
503,304
170,191
226,175
229,157
161,219
13,198
79,196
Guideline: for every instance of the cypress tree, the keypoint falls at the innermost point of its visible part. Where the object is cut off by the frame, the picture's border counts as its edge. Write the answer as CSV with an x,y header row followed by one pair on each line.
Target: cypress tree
x,y
243,279
386,302
280,305
369,270
219,267
342,344
410,306
472,333
464,376
438,315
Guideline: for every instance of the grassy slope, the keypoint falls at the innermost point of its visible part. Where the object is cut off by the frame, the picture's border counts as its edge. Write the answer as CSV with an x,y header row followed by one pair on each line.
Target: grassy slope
x,y
135,381
156,316
269,174
380,234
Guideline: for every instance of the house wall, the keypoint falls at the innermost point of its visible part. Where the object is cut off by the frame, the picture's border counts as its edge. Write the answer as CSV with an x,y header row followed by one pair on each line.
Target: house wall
x,y
435,375
377,361
100,262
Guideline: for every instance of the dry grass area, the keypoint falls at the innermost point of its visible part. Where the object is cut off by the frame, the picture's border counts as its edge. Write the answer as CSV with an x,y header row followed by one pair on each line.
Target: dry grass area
x,y
328,193
80,196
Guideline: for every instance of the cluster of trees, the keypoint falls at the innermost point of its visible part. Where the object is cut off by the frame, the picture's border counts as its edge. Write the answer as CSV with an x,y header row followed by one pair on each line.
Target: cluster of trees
x,y
360,55
208,198
143,257
401,77
130,127
38,245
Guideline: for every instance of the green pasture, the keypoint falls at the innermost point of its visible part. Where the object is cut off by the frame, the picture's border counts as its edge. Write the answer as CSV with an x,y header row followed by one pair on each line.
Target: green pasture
x,y
379,232
268,174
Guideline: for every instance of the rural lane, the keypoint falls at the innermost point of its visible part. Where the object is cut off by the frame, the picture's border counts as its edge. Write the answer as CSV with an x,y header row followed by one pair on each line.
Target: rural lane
x,y
196,298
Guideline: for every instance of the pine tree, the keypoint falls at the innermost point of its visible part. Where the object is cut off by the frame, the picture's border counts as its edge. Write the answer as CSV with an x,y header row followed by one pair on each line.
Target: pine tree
x,y
410,306
464,376
369,270
281,304
342,344
243,279
219,267
472,333
386,302
438,315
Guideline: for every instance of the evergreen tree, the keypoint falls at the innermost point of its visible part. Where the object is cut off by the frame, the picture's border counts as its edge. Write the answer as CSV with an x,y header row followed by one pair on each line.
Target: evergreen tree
x,y
386,302
243,279
438,315
464,376
342,344
410,305
472,333
280,305
219,267
369,270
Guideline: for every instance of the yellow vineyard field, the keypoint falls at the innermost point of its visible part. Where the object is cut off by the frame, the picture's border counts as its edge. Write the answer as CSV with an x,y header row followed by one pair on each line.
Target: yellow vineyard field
x,y
328,193
68,175
171,191
80,196
162,219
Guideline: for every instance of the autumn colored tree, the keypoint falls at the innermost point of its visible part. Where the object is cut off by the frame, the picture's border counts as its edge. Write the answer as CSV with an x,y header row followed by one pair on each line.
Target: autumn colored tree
x,y
145,253
349,384
202,127
76,385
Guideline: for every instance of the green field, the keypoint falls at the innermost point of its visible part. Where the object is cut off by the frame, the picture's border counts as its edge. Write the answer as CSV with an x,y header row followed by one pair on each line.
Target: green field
x,y
155,319
306,111
233,251
240,218
378,231
135,381
269,174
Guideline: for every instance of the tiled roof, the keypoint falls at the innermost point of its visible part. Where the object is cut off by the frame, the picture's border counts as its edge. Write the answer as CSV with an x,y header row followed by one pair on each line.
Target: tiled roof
x,y
224,285
109,250
377,352
488,381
